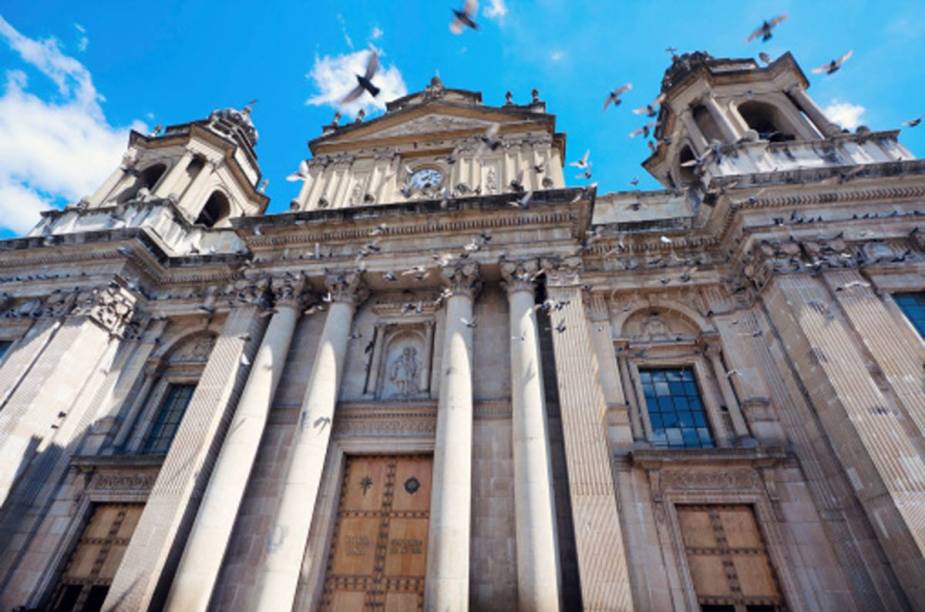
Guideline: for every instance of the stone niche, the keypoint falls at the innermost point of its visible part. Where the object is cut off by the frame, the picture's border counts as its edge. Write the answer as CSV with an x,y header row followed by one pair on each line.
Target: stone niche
x,y
400,368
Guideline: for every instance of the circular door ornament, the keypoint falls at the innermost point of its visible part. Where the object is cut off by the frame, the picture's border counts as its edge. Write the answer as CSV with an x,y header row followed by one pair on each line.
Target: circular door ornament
x,y
412,485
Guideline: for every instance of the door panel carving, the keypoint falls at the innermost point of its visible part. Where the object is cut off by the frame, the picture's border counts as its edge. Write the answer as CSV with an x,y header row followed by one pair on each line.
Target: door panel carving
x,y
378,557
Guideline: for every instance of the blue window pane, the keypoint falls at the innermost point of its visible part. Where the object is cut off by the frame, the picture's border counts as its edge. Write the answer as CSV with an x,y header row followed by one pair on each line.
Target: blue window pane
x,y
167,422
913,306
676,411
4,348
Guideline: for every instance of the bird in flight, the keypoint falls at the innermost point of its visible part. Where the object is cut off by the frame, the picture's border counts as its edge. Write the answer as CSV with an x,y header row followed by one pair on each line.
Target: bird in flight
x,y
614,96
301,174
364,81
643,131
833,66
914,122
650,110
764,57
463,19
764,30
583,162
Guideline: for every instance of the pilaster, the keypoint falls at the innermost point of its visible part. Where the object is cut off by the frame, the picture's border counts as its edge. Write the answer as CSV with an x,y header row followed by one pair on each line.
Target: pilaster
x,y
149,562
599,539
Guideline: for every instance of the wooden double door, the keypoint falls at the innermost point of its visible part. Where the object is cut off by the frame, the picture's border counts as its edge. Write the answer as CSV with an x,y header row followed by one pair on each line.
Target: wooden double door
x,y
378,555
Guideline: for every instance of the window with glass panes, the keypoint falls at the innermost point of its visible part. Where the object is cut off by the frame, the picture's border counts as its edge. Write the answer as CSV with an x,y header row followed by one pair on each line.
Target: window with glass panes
x,y
676,411
913,306
165,426
4,348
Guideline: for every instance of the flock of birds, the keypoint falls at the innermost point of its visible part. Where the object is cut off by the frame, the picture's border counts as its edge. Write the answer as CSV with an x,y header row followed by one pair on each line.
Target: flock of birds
x,y
464,18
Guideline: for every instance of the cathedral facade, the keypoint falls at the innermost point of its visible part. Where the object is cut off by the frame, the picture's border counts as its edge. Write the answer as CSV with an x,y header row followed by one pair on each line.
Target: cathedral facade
x,y
444,380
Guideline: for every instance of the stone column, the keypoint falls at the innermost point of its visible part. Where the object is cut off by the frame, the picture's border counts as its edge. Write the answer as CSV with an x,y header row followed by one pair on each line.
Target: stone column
x,y
721,118
538,572
815,114
205,548
169,182
693,130
729,398
602,563
144,576
194,190
447,584
278,576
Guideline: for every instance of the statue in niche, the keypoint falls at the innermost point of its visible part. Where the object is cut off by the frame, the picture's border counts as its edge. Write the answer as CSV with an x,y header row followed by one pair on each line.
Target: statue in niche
x,y
403,372
655,326
491,181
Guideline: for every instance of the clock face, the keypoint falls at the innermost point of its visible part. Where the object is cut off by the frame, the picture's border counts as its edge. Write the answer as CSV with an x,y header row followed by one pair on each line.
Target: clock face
x,y
426,178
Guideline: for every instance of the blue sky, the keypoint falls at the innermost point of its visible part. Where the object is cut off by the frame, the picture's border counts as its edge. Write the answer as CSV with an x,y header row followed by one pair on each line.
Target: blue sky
x,y
77,75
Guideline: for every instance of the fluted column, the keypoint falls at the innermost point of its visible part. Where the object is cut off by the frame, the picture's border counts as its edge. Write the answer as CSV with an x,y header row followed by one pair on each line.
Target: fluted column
x,y
278,576
447,583
538,573
602,564
205,548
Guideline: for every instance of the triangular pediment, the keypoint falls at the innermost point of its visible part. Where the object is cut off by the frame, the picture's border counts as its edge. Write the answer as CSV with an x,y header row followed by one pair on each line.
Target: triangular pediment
x,y
432,119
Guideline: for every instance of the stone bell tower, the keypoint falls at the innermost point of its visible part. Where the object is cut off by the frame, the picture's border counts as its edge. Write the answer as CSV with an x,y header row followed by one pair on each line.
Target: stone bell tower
x,y
184,185
734,118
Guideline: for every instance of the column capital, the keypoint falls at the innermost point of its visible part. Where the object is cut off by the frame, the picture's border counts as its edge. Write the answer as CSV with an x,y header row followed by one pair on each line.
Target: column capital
x,y
289,290
250,291
520,275
461,278
112,308
346,286
562,271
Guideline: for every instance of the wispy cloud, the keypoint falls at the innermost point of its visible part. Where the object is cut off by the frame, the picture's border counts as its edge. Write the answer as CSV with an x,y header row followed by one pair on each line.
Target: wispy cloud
x,y
83,41
556,55
50,150
343,30
845,114
376,33
334,77
496,9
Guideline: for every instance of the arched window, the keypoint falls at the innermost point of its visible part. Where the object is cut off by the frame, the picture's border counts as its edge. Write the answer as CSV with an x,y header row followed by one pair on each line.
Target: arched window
x,y
686,173
147,179
705,122
172,386
217,209
767,120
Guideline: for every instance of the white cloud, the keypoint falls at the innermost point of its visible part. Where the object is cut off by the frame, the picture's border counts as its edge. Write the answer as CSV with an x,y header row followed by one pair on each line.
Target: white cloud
x,y
556,55
376,34
51,150
334,78
844,114
83,41
496,10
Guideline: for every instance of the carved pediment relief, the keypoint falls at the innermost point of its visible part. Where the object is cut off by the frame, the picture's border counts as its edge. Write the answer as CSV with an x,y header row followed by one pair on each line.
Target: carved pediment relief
x,y
434,123
658,324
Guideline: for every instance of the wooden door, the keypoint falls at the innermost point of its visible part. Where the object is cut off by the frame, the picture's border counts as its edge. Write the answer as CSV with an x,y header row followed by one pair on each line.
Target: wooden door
x,y
378,555
728,559
85,581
